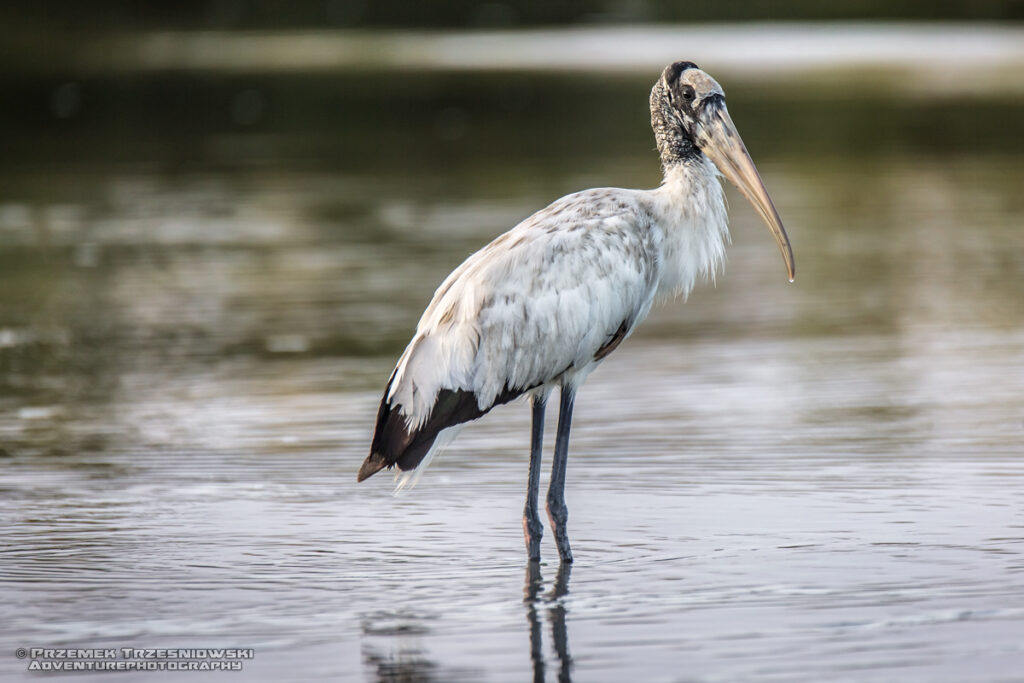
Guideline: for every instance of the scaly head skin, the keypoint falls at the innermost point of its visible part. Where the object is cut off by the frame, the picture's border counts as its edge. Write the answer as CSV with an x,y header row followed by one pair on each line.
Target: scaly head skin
x,y
690,119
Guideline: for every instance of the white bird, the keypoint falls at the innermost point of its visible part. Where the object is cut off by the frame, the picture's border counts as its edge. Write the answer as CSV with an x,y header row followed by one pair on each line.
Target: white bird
x,y
546,302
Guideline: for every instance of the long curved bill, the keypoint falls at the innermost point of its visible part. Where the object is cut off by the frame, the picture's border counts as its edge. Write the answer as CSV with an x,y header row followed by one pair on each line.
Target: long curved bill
x,y
723,145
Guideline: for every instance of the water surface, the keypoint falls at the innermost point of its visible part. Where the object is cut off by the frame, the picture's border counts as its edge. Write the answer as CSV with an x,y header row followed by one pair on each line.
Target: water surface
x,y
202,299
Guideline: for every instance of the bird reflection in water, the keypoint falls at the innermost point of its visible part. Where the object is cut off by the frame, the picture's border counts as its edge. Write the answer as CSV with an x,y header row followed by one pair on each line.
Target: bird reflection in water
x,y
555,604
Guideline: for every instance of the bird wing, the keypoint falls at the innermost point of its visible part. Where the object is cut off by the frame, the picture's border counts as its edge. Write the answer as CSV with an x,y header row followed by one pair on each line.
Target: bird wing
x,y
558,291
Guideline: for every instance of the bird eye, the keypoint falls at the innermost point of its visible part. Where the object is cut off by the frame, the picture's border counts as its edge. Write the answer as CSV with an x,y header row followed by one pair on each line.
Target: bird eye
x,y
688,93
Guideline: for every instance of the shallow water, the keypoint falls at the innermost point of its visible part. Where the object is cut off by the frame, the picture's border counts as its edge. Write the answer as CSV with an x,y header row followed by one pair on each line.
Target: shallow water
x,y
818,481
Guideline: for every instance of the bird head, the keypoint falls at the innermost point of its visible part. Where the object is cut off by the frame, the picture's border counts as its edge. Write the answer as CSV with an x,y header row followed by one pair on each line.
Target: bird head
x,y
690,119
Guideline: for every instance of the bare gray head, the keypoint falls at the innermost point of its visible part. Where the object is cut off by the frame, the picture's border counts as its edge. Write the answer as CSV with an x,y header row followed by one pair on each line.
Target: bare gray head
x,y
690,121
675,102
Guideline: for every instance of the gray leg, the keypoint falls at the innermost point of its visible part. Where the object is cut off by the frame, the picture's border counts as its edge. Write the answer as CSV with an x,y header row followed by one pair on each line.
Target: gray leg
x,y
558,513
532,528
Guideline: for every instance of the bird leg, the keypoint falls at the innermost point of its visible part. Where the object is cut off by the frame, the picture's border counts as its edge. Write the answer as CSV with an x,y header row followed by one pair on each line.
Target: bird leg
x,y
532,528
558,513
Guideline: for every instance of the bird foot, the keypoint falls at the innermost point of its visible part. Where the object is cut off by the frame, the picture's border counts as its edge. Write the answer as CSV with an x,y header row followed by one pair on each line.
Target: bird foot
x,y
558,515
564,552
533,531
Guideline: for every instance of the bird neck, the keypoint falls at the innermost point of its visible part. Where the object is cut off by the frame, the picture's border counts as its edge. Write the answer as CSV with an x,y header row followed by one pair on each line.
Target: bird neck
x,y
689,207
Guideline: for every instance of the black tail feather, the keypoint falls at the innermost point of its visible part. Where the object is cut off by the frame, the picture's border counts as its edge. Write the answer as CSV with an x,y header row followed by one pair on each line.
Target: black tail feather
x,y
396,443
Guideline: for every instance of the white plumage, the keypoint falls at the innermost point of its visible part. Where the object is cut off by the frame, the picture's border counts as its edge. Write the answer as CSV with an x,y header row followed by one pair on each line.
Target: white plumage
x,y
543,298
545,303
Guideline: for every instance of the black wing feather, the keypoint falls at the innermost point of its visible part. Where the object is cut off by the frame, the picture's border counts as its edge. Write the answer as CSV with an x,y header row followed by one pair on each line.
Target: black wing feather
x,y
395,443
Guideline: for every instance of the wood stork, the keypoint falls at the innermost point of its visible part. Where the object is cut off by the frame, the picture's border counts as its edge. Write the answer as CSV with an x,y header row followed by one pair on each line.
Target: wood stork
x,y
543,304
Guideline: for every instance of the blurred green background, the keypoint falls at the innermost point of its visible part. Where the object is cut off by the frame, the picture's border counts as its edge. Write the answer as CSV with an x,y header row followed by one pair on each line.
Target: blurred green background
x,y
271,14
189,184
